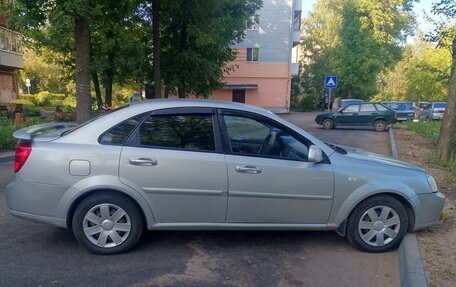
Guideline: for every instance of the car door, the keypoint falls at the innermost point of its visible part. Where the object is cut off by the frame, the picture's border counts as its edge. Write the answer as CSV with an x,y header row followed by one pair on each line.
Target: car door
x,y
270,180
348,115
367,114
175,157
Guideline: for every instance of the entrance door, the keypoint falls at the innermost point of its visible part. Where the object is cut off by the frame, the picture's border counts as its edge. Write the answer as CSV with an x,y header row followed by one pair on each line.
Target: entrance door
x,y
239,96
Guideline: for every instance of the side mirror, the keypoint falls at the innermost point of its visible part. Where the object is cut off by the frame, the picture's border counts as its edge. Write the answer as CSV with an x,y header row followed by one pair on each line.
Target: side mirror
x,y
315,154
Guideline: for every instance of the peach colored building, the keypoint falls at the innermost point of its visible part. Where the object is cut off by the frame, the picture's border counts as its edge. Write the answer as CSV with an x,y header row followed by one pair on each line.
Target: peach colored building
x,y
264,64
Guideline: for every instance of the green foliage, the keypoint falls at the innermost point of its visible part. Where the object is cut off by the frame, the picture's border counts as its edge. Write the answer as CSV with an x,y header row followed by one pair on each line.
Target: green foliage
x,y
32,111
195,41
51,100
355,40
321,35
422,74
44,74
6,132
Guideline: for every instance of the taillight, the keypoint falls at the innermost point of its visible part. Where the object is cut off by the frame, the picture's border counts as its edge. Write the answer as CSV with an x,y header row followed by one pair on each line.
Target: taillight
x,y
23,150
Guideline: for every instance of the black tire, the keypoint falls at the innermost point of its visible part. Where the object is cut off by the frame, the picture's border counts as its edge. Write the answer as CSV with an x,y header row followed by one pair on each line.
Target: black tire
x,y
113,199
354,233
328,124
380,125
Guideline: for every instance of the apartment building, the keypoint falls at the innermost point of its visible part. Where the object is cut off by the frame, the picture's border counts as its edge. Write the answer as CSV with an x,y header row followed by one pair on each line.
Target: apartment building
x,y
11,59
264,65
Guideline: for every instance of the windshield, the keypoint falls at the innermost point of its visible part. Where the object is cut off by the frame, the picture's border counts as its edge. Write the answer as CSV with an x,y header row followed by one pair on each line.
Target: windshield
x,y
440,105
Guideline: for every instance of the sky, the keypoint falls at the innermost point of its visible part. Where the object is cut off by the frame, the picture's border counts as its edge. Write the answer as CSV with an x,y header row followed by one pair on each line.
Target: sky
x,y
423,25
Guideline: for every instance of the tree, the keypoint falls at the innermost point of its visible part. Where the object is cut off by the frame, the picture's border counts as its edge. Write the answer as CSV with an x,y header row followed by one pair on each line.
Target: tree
x,y
422,74
370,37
354,39
196,39
321,35
44,74
47,24
157,47
446,36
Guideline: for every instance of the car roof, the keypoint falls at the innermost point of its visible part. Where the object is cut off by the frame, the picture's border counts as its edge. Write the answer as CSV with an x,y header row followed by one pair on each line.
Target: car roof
x,y
180,103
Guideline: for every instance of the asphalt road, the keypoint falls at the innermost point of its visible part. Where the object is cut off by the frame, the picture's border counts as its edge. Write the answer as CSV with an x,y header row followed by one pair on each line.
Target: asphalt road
x,y
33,254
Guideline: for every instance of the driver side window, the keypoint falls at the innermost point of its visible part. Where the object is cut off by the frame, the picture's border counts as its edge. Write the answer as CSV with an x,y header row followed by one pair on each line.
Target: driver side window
x,y
249,136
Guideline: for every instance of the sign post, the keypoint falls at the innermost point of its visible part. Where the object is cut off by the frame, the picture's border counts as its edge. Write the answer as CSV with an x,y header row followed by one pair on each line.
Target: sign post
x,y
330,83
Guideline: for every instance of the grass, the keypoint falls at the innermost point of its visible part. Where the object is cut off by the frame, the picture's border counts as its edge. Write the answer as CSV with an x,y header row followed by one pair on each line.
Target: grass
x,y
429,129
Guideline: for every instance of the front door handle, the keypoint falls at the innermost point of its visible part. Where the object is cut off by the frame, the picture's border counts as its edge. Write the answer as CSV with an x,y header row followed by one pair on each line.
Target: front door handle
x,y
142,161
248,169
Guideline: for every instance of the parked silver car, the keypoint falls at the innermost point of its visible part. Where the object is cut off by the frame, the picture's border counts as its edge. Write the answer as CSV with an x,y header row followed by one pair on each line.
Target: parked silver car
x,y
166,165
434,111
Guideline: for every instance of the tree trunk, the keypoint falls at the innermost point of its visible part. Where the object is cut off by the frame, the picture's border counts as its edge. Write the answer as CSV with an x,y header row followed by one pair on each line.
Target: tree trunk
x,y
181,91
156,44
82,64
96,84
109,76
166,95
447,140
108,79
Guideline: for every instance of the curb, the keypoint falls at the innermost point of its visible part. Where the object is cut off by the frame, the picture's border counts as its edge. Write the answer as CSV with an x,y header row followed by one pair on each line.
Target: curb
x,y
411,266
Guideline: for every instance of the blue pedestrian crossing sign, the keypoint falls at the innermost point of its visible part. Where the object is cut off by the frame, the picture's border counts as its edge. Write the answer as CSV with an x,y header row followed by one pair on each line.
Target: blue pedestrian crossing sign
x,y
330,82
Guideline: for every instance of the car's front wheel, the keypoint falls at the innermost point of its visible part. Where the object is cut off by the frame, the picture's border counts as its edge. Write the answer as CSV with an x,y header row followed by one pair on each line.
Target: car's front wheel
x,y
107,223
328,124
377,224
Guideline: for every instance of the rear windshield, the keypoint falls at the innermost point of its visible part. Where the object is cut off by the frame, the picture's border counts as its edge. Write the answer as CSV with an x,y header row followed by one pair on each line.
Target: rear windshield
x,y
95,118
440,105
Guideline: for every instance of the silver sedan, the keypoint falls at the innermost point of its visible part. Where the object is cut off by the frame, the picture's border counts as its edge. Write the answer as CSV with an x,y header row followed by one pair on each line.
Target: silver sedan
x,y
168,165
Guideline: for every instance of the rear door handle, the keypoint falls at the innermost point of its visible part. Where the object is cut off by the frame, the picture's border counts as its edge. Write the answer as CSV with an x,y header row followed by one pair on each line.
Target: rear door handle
x,y
142,161
248,169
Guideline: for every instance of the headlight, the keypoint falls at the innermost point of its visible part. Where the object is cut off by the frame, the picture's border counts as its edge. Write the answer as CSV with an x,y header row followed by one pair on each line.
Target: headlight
x,y
432,183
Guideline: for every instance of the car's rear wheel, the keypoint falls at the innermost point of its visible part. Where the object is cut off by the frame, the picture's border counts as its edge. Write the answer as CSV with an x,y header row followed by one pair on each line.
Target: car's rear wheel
x,y
378,224
380,125
107,223
328,124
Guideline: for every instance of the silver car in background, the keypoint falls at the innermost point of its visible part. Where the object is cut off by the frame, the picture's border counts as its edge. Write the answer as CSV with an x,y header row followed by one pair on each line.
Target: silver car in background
x,y
434,111
202,165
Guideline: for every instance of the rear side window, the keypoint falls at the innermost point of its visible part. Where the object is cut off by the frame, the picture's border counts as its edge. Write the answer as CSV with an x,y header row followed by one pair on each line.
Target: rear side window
x,y
367,108
119,133
381,108
190,132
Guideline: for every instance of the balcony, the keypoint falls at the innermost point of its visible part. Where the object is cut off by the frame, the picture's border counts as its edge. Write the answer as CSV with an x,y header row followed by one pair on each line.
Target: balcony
x,y
11,49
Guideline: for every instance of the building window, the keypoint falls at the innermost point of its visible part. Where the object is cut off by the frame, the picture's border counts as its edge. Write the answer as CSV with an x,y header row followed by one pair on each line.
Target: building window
x,y
253,54
297,21
253,23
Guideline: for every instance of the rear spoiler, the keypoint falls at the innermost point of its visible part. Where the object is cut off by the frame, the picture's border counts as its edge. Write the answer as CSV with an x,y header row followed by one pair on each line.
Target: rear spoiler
x,y
32,131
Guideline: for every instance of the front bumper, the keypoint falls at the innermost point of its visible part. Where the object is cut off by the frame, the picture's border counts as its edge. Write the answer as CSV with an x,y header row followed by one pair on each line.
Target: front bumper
x,y
428,208
437,116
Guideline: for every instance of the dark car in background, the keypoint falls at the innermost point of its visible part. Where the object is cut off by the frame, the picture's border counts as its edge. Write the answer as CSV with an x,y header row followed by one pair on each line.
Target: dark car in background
x,y
345,102
359,114
434,111
405,111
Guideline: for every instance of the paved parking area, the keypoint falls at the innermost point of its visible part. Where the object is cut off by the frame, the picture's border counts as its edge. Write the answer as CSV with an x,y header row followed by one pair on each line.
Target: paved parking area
x,y
34,254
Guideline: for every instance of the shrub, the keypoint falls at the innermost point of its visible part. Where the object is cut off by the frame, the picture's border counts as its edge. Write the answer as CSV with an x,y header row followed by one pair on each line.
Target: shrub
x,y
7,141
32,111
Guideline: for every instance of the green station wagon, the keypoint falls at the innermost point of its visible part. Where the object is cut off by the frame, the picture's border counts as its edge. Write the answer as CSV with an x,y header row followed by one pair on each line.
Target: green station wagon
x,y
359,114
